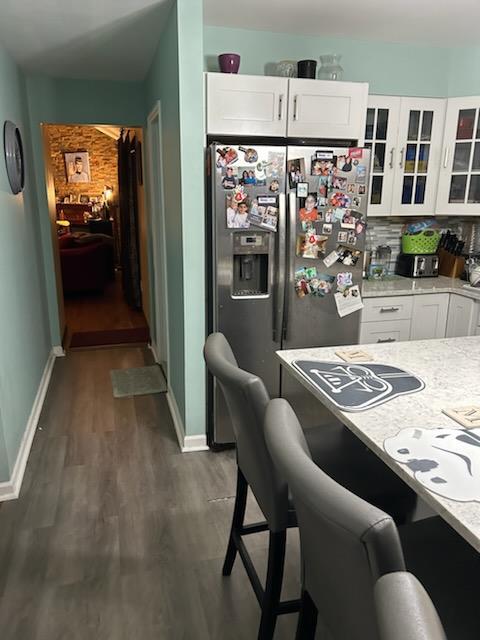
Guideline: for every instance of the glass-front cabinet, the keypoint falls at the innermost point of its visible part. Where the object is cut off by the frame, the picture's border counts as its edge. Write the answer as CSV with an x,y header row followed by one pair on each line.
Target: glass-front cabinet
x,y
459,186
405,135
381,137
419,144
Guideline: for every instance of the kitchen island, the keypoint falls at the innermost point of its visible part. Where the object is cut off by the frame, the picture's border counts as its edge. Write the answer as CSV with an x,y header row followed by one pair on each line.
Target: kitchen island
x,y
450,371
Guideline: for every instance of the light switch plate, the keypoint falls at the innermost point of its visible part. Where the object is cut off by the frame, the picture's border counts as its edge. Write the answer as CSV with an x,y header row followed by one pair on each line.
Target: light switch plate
x,y
468,417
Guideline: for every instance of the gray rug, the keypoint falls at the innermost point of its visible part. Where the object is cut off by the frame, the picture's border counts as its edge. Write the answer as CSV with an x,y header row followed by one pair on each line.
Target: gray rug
x,y
139,381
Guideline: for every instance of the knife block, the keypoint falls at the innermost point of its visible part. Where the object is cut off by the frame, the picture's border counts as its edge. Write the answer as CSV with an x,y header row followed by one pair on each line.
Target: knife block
x,y
450,265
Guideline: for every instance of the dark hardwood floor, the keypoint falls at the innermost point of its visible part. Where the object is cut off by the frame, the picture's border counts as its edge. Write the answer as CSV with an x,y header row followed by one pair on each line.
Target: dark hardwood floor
x,y
117,535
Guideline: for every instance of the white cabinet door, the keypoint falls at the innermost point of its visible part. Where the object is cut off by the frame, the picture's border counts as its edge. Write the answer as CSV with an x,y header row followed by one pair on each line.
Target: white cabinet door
x,y
386,331
246,105
459,185
381,131
327,109
460,316
419,143
429,317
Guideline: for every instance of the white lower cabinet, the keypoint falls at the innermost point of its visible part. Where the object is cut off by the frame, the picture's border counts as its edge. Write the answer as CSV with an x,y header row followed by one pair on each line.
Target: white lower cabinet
x,y
460,316
429,316
419,317
384,331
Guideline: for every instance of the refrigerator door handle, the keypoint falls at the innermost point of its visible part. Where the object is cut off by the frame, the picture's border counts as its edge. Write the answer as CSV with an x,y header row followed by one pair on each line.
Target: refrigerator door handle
x,y
279,293
290,261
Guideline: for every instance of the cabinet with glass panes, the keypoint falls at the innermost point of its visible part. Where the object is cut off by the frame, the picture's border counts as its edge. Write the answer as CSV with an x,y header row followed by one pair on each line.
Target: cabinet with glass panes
x,y
459,184
405,135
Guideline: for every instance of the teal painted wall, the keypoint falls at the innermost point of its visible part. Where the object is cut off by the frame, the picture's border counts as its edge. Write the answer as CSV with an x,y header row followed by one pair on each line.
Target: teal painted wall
x,y
391,69
464,72
24,329
63,101
176,80
162,84
190,52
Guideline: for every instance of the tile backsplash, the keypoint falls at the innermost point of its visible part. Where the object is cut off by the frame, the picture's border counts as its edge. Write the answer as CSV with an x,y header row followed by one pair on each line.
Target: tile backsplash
x,y
389,230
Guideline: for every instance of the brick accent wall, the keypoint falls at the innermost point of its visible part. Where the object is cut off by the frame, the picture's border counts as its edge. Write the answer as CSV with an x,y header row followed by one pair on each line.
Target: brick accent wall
x,y
102,152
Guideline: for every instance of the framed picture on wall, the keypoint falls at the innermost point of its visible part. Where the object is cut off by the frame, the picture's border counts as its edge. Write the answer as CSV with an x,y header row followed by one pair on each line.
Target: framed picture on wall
x,y
77,166
84,199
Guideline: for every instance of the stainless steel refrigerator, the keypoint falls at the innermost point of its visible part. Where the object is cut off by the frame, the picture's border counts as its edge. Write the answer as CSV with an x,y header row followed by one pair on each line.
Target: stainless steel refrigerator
x,y
285,233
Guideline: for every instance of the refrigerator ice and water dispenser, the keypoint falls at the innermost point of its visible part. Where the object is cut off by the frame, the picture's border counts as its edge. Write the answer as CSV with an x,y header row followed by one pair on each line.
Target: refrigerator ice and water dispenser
x,y
250,264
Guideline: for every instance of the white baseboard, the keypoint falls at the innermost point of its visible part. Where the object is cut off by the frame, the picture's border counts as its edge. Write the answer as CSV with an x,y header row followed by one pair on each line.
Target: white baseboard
x,y
11,489
58,351
187,444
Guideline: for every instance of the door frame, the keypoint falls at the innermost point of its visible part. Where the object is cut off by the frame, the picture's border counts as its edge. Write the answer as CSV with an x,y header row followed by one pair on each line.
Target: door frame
x,y
159,286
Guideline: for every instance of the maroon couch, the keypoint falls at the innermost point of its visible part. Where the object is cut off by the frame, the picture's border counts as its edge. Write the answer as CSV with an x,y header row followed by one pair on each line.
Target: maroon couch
x,y
86,266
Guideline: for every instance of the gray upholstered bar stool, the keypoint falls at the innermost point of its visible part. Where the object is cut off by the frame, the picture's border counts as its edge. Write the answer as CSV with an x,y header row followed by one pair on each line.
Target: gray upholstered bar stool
x,y
347,545
333,447
404,609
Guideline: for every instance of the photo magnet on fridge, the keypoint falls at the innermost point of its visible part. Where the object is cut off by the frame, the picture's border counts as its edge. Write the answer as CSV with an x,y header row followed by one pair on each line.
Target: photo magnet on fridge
x,y
339,199
327,229
323,184
356,202
339,183
274,186
344,163
361,174
229,180
302,189
324,154
296,171
246,176
308,211
348,220
249,154
226,155
351,189
348,256
321,167
342,236
344,280
236,213
276,161
322,284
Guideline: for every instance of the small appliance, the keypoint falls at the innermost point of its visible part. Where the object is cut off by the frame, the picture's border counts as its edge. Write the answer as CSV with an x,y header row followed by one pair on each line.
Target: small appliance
x,y
417,265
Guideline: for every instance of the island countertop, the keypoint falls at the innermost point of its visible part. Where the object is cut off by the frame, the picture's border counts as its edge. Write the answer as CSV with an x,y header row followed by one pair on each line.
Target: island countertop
x,y
450,369
401,286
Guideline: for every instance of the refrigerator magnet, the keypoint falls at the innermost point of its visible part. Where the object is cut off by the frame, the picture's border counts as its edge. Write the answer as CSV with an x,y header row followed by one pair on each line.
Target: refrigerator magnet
x,y
351,237
330,260
230,180
361,174
296,173
302,189
226,155
320,167
344,280
338,182
310,272
351,188
356,202
339,199
309,211
348,220
342,236
361,189
250,155
323,184
349,301
327,229
276,162
324,154
329,215
322,284
274,186
347,255
344,163
338,215
356,153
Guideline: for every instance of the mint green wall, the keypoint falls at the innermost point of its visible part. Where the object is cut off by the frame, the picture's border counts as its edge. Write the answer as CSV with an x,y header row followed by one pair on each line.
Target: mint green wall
x,y
162,84
24,330
392,69
64,101
190,52
464,72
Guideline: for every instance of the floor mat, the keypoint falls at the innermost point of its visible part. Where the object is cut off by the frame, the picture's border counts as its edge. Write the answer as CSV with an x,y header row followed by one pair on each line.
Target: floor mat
x,y
139,381
112,336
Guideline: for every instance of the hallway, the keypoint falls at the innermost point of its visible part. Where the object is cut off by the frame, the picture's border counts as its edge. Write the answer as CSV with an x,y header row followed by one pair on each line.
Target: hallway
x,y
117,535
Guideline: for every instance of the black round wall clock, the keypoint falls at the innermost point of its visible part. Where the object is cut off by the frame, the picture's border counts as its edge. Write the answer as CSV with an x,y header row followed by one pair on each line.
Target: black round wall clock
x,y
12,143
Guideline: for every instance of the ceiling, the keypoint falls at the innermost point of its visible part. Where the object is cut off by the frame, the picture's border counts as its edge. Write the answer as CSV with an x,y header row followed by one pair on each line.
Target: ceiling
x,y
433,22
91,39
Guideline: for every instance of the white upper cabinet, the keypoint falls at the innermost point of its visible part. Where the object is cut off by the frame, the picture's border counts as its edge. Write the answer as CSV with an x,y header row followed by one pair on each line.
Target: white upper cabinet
x,y
419,144
246,105
459,185
381,132
327,109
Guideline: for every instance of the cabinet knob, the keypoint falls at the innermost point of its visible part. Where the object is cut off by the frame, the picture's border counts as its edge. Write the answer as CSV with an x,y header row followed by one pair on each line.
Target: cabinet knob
x,y
382,340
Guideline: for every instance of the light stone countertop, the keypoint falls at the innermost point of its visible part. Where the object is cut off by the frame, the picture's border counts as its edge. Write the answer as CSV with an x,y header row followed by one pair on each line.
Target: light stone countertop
x,y
450,369
401,286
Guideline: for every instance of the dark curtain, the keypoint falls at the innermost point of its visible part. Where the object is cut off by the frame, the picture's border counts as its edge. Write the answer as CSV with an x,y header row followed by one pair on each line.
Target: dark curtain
x,y
128,214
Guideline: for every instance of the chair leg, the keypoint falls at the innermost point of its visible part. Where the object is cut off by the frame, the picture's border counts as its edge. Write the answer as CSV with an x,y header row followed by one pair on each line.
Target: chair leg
x,y
273,586
237,522
307,618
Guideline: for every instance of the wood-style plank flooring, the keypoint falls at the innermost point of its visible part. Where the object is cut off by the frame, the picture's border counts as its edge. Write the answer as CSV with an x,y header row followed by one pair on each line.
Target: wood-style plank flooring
x,y
117,535
101,311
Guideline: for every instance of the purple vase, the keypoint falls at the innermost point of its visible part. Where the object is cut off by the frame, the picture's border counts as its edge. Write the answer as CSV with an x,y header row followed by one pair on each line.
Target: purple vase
x,y
229,62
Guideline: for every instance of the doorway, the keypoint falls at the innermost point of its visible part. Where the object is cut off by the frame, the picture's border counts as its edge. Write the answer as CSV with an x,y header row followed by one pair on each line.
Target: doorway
x,y
160,330
101,232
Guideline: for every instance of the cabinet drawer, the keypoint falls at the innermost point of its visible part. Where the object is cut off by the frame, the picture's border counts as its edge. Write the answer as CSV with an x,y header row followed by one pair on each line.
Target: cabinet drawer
x,y
385,331
385,309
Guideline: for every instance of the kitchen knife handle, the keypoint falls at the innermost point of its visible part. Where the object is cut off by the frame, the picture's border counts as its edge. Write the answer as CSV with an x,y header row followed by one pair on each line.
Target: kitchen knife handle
x,y
280,106
383,340
402,152
446,153
279,291
295,99
389,309
392,153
